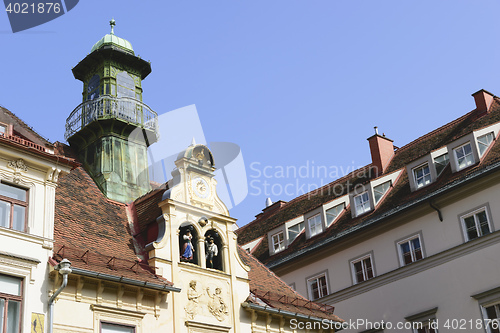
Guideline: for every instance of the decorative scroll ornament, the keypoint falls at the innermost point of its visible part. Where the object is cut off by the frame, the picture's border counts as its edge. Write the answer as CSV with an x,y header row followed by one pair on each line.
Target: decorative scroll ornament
x,y
18,167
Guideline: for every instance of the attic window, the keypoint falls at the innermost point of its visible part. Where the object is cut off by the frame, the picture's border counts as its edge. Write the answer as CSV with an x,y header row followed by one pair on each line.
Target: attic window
x,y
315,226
278,242
362,203
3,129
484,142
464,156
294,231
422,175
380,190
333,213
441,162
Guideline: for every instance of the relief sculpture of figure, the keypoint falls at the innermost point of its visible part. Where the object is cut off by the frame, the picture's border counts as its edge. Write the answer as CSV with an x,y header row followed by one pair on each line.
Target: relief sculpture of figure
x,y
192,305
216,305
187,247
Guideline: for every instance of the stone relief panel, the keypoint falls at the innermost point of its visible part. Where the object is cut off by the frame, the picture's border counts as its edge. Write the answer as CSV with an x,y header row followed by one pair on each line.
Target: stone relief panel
x,y
206,299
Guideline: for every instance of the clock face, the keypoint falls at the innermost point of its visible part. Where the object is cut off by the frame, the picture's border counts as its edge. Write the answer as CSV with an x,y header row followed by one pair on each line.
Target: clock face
x,y
200,187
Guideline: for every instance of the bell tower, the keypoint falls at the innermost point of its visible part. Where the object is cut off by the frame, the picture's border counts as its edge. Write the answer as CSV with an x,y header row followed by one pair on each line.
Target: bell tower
x,y
112,128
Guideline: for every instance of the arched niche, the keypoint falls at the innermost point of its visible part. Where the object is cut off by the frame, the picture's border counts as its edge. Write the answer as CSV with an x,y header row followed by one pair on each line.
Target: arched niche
x,y
213,250
188,237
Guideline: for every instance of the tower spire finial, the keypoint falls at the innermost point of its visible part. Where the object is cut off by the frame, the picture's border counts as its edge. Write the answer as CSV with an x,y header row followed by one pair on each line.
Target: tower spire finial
x,y
112,23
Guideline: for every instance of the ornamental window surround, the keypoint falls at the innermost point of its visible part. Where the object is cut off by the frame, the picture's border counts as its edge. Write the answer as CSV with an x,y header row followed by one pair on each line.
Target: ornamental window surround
x,y
13,207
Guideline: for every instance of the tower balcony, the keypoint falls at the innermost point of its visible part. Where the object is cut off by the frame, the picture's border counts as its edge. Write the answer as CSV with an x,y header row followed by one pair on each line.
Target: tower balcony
x,y
111,115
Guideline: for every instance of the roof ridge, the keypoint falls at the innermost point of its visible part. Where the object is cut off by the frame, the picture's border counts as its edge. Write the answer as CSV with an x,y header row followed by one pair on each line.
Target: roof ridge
x,y
25,125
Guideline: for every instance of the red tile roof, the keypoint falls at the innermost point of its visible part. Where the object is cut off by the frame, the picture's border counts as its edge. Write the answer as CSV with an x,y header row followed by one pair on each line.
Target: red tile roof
x,y
399,196
94,232
267,288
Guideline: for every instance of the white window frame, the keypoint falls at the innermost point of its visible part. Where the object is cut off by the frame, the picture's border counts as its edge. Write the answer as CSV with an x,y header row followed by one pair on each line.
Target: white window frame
x,y
7,298
109,324
481,144
316,218
457,163
278,245
290,239
413,252
317,278
365,270
475,212
364,205
428,175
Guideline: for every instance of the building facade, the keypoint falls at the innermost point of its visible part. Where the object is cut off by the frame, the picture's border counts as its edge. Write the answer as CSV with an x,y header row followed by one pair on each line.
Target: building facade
x,y
89,245
29,173
408,243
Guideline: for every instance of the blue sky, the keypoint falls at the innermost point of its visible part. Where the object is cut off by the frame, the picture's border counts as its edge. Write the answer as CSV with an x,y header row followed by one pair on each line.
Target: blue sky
x,y
292,83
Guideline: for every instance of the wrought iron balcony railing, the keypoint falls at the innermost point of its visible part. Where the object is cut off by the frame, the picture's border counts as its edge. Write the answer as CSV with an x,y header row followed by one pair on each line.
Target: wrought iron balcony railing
x,y
126,109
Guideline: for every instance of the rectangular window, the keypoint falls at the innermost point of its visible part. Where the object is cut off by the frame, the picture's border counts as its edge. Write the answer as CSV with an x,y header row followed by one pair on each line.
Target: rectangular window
x,y
333,213
464,156
422,175
13,207
278,242
484,142
441,162
362,203
10,304
476,224
492,315
115,328
410,250
315,226
362,269
294,231
317,287
425,328
3,129
380,190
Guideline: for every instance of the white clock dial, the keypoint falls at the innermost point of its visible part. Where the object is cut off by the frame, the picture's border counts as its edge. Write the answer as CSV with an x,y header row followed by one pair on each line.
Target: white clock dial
x,y
200,187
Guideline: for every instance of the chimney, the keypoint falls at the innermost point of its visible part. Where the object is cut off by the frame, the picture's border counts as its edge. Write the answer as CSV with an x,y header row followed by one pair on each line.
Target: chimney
x,y
382,151
483,101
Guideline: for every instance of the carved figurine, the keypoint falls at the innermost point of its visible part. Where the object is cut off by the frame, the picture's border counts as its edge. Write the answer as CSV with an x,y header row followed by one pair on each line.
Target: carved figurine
x,y
212,251
187,247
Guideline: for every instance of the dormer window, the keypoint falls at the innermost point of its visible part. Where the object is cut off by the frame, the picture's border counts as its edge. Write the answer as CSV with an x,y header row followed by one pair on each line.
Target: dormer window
x,y
422,175
362,203
315,226
441,162
278,242
333,213
380,190
464,156
3,129
294,231
484,142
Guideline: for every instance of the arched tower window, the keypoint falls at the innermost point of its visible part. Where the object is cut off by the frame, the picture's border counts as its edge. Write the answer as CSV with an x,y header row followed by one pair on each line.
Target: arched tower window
x,y
93,87
188,244
213,249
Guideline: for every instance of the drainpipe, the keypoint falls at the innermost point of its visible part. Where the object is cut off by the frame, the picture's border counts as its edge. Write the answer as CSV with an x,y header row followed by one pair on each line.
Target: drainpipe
x,y
64,269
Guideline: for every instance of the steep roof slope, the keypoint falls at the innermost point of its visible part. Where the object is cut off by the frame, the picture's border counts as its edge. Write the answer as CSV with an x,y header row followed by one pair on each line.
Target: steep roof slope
x,y
269,289
94,233
399,197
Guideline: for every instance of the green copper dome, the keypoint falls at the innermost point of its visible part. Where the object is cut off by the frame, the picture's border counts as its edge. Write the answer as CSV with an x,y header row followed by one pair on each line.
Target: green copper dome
x,y
111,39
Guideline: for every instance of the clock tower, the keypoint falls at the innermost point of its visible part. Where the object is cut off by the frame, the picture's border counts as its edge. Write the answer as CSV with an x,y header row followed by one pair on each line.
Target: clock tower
x,y
112,128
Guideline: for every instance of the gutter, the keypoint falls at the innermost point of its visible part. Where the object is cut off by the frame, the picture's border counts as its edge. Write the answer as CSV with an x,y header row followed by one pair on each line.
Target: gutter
x,y
121,279
389,213
275,311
